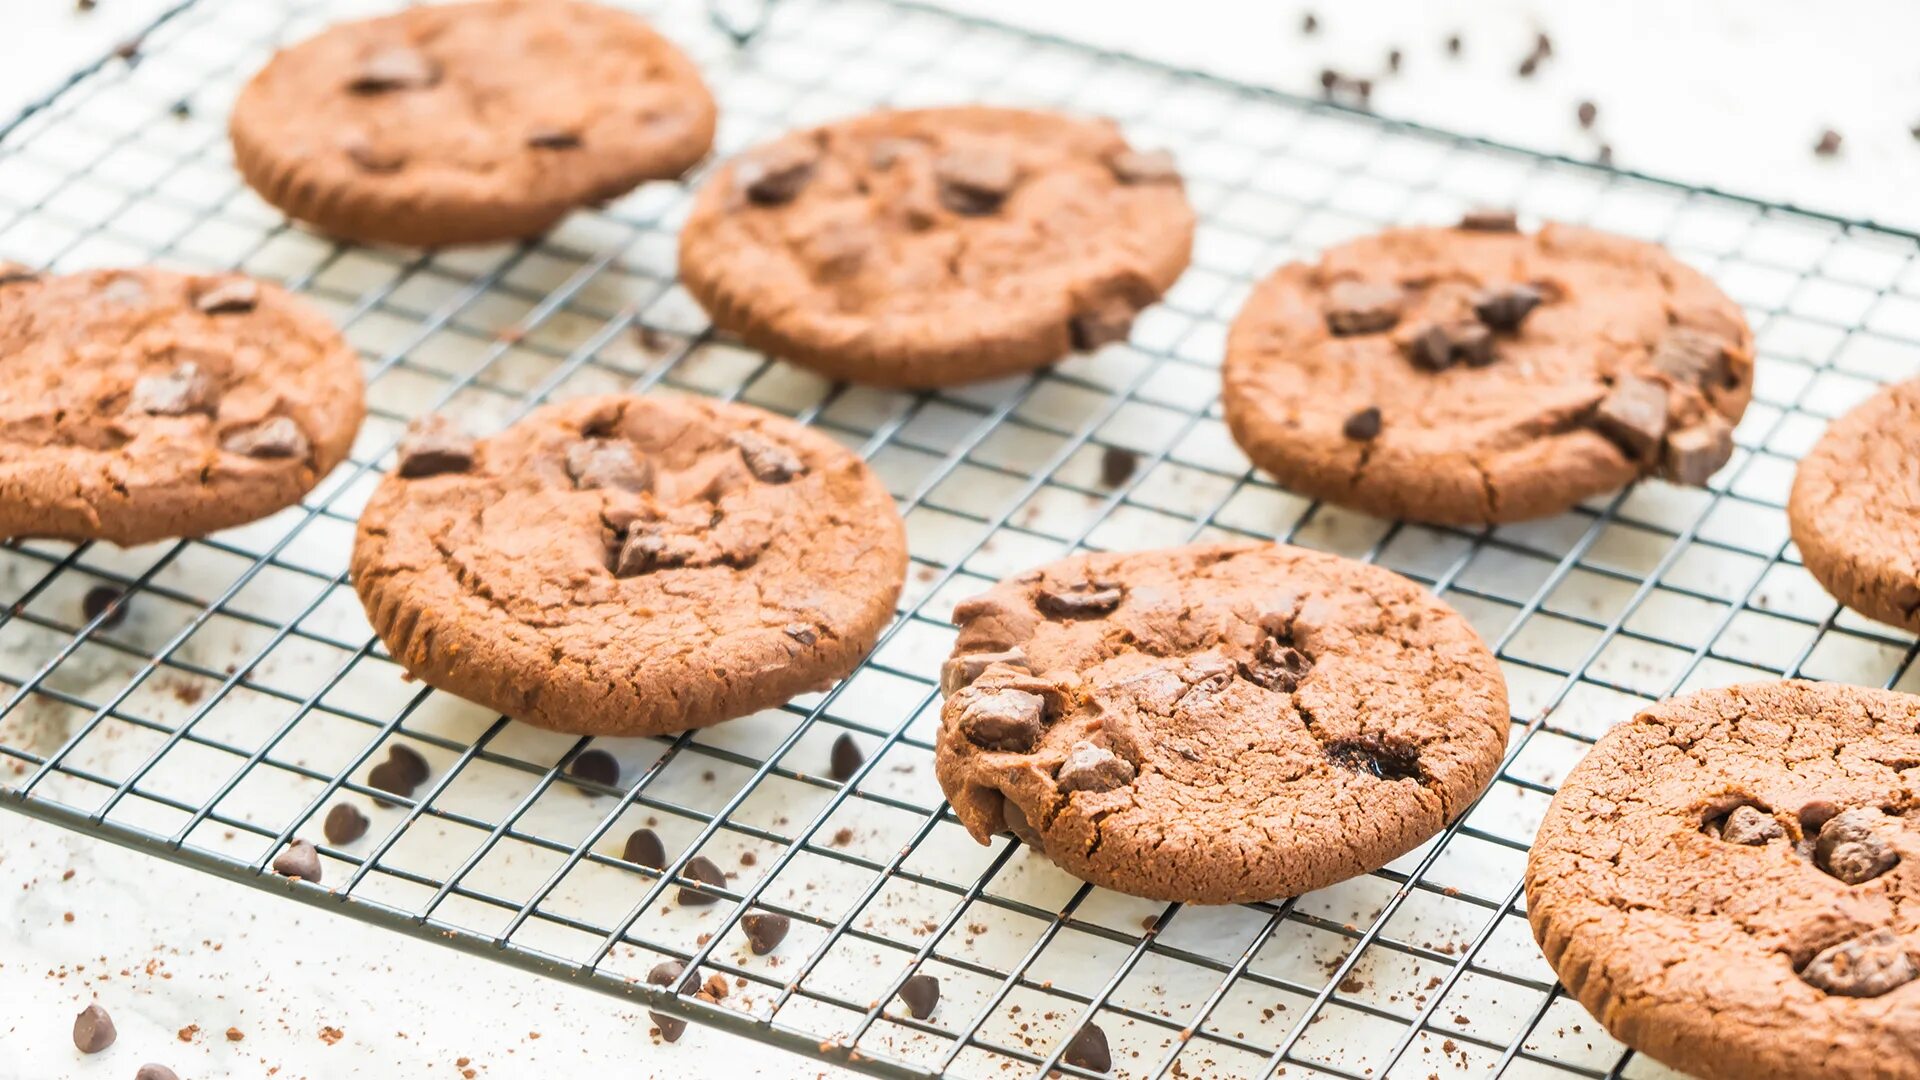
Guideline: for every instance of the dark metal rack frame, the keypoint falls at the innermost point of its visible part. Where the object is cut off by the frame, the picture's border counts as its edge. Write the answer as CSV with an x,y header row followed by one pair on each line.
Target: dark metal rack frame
x,y
1631,597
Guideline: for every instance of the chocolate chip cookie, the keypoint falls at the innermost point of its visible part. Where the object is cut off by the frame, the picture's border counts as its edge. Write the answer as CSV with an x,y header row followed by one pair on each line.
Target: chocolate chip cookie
x,y
468,123
937,246
1728,882
1483,374
139,405
1855,507
1216,723
628,565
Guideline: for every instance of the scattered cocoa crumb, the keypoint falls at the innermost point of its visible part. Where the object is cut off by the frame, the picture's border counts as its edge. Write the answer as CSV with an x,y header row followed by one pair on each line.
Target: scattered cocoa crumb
x,y
234,1034
331,1035
186,1034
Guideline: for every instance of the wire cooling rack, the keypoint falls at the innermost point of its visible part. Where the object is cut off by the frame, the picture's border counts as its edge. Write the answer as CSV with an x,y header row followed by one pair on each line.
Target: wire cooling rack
x,y
236,693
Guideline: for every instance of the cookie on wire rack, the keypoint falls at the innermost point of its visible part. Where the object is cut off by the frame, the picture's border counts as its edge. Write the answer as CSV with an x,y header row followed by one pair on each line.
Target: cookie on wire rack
x,y
1855,507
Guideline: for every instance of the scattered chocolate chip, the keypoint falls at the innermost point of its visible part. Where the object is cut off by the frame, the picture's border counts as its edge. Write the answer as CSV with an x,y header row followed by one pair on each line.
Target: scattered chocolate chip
x,y
766,459
765,931
408,760
596,767
1750,826
645,849
1867,966
549,138
960,671
608,463
1088,1050
701,869
1453,45
129,50
1694,454
1393,60
85,5
666,973
1692,358
1542,45
1363,426
776,174
394,777
151,1071
180,110
1309,23
345,824
1004,720
1490,219
1361,307
1505,307
845,758
395,67
1143,167
93,1030
1329,81
1386,757
1829,143
374,157
98,601
433,445
920,994
299,860
1529,65
233,296
1277,667
1850,848
1586,113
1078,601
1092,768
185,389
1634,416
1116,465
274,437
974,179
1104,322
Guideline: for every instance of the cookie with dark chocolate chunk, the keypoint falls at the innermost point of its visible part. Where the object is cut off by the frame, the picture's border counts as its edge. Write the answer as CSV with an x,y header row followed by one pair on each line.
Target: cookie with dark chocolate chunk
x,y
1855,507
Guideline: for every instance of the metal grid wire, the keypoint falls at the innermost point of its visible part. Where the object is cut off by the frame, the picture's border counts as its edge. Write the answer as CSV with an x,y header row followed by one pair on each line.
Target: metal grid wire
x,y
243,694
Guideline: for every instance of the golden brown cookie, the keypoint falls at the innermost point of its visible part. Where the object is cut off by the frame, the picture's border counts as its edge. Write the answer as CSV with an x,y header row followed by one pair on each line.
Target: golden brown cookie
x,y
468,123
936,246
1728,883
1855,507
139,405
1216,723
1482,374
628,565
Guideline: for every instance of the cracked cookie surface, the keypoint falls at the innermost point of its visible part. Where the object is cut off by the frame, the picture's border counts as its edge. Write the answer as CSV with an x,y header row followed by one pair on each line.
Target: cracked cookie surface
x,y
468,123
1855,507
628,565
1216,723
142,405
1728,882
936,246
1475,375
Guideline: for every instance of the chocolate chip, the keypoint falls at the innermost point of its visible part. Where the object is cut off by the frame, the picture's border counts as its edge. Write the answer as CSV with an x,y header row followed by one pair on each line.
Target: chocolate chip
x,y
1694,454
550,138
920,994
1092,768
1079,601
1394,58
1384,756
100,599
129,50
1309,24
1143,167
274,437
1017,824
299,860
596,767
766,459
701,869
1439,346
1529,65
1542,45
1490,219
608,463
776,174
233,296
344,824
1587,112
845,759
1116,465
960,671
1829,143
93,1030
1850,848
393,777
1004,720
151,1071
1691,358
395,67
434,445
1505,307
1750,826
1634,416
1453,45
644,549
801,633
1867,966
375,157
1104,322
408,761
645,849
1329,81
1088,1050
1277,667
765,931
1361,307
666,973
974,179
185,389
1363,426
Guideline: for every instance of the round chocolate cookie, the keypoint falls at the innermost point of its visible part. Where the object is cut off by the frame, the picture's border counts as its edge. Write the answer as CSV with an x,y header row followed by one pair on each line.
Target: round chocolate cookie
x,y
1216,723
139,405
468,123
629,565
937,246
1481,374
1728,882
1855,507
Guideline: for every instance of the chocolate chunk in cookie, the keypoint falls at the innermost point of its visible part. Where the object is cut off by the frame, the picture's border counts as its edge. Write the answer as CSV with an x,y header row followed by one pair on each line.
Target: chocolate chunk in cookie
x,y
975,178
1691,357
1440,345
1875,963
1363,426
1693,454
185,389
1080,600
1276,666
1106,322
433,445
776,174
229,297
1092,768
1004,719
1486,219
1748,826
1504,307
394,67
604,463
767,460
1361,307
274,437
1851,848
960,671
1634,415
